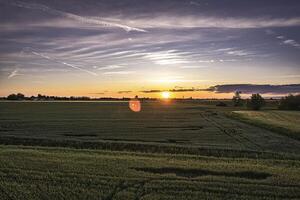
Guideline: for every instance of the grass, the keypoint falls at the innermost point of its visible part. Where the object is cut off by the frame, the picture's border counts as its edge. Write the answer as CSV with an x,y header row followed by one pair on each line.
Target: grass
x,y
61,173
102,150
285,122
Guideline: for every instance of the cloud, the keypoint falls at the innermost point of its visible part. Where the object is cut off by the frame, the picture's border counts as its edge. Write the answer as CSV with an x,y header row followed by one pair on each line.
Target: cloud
x,y
174,90
124,92
57,61
288,76
244,88
225,49
213,22
152,91
252,88
98,93
167,57
286,41
239,53
110,67
192,67
194,3
185,90
119,73
175,79
291,43
206,61
222,60
87,20
13,74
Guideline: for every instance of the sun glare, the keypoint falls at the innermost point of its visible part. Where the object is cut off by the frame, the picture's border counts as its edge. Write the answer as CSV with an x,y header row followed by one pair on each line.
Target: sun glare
x,y
165,95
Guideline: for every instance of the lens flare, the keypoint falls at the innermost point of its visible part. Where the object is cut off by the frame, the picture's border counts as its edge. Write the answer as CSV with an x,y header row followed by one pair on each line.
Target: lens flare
x,y
135,105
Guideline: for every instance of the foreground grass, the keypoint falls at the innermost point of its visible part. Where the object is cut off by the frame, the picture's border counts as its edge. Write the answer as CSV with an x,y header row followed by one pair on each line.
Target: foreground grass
x,y
285,122
61,173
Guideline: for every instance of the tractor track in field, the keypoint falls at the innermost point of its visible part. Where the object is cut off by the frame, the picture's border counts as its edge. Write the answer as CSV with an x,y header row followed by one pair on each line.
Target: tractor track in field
x,y
233,133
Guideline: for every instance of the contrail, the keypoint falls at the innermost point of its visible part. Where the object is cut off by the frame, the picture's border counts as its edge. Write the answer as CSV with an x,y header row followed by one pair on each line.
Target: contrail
x,y
57,61
13,74
73,16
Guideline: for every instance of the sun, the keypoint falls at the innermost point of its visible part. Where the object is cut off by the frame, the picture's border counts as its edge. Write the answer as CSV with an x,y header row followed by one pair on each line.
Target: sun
x,y
165,95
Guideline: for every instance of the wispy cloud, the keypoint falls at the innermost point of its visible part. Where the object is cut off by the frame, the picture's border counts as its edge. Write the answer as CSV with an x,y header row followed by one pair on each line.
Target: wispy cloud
x,y
206,61
167,57
177,79
221,60
192,67
214,22
175,90
82,19
239,53
124,92
195,3
291,43
110,67
42,55
14,73
284,40
119,73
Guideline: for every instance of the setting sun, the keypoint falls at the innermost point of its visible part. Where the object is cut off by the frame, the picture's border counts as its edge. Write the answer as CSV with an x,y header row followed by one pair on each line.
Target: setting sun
x,y
165,95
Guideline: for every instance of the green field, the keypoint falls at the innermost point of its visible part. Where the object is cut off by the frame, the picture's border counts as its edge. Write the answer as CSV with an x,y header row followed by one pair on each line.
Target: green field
x,y
47,173
169,150
286,122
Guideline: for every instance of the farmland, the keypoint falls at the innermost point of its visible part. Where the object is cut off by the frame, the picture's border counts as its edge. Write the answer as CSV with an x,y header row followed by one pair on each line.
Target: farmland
x,y
47,173
169,150
286,122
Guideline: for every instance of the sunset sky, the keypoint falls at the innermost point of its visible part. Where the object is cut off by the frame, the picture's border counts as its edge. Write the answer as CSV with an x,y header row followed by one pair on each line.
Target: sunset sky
x,y
125,48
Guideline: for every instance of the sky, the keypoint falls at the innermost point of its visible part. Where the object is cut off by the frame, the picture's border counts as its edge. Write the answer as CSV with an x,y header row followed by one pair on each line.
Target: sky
x,y
198,48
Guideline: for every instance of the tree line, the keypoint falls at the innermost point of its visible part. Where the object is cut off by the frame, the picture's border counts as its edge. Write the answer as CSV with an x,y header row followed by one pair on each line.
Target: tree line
x,y
40,97
256,102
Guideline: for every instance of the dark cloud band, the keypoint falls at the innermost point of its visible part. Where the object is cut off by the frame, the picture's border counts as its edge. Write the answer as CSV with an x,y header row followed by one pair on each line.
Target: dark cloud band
x,y
244,88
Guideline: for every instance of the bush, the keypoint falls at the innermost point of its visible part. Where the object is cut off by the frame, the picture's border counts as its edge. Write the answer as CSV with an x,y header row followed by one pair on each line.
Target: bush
x,y
256,102
290,102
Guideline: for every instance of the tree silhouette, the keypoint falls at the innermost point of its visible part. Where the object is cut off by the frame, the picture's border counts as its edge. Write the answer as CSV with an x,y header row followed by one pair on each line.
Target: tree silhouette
x,y
256,102
18,96
237,99
290,102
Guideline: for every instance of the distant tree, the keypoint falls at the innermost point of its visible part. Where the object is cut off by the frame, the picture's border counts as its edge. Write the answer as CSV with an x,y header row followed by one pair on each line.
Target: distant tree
x,y
18,96
290,102
237,99
256,102
12,97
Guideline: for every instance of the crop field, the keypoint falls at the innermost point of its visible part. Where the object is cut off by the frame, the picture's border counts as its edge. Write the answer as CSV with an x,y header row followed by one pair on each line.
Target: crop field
x,y
56,173
286,122
169,150
184,124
